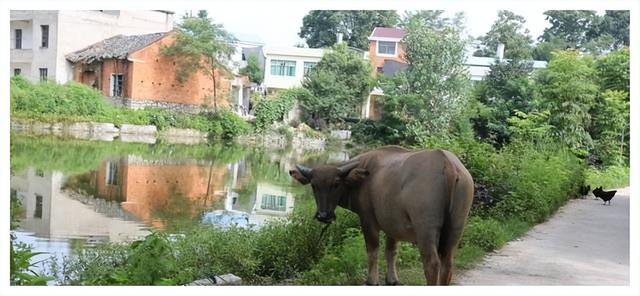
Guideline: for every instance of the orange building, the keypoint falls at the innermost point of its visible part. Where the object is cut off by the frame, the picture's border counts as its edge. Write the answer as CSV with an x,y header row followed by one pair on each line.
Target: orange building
x,y
132,69
386,54
144,187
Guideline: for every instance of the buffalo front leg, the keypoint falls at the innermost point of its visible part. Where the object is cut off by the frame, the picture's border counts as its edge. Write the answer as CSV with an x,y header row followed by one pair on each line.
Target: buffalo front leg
x,y
371,242
391,248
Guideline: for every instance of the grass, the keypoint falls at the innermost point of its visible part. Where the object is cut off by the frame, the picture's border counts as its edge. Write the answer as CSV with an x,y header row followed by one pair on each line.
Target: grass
x,y
611,177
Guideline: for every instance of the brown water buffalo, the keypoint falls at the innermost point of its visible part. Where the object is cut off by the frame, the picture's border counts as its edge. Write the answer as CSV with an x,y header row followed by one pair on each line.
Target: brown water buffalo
x,y
421,197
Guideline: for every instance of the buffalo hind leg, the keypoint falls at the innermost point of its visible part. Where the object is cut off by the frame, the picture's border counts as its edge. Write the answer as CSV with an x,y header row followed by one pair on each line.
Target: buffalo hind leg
x,y
371,242
428,246
390,255
448,245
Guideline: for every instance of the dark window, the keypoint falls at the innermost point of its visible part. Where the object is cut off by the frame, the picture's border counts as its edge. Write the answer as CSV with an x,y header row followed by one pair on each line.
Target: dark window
x,y
39,173
273,202
43,74
379,69
18,38
116,85
17,71
112,173
243,57
45,35
386,47
38,212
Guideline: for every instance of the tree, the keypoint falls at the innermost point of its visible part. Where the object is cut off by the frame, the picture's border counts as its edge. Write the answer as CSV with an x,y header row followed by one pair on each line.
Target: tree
x,y
507,89
433,19
613,71
584,30
201,45
426,98
252,69
319,27
509,30
338,84
568,89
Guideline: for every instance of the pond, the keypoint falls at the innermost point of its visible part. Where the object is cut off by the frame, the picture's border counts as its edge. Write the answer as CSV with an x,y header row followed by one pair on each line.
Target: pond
x,y
76,193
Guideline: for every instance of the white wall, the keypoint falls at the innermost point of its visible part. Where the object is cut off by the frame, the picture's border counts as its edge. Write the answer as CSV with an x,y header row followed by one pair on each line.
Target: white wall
x,y
71,30
299,55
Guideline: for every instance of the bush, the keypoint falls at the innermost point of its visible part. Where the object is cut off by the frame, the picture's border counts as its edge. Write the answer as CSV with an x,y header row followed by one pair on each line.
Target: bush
x,y
610,177
483,233
271,109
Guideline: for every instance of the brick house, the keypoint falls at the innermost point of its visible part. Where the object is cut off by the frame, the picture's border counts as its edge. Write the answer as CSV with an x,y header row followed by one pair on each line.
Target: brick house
x,y
130,70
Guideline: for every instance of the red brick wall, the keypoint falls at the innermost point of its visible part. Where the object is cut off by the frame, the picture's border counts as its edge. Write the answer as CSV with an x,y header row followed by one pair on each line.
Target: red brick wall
x,y
377,61
153,77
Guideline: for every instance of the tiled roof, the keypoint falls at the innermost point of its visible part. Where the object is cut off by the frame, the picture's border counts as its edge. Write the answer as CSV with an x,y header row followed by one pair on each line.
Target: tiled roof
x,y
380,32
118,47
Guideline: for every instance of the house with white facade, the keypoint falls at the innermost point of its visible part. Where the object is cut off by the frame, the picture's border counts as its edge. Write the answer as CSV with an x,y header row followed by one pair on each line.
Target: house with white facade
x,y
285,67
40,39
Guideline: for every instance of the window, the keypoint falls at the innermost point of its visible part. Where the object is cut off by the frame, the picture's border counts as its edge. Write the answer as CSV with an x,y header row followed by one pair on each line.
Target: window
x,y
116,85
43,74
18,38
273,202
308,66
283,68
379,69
38,211
45,35
386,47
112,173
40,173
17,71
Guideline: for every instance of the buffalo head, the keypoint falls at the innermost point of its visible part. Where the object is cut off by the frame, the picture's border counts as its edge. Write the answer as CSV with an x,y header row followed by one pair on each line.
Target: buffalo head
x,y
330,183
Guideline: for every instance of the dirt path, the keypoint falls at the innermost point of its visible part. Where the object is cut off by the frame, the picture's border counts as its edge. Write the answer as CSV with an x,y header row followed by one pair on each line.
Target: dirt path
x,y
584,243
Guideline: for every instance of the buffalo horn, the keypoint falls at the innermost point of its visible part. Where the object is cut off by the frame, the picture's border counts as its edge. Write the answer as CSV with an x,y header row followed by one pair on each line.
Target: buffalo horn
x,y
347,167
305,171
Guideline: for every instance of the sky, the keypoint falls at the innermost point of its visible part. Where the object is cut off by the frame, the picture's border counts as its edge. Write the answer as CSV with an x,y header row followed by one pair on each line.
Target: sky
x,y
280,28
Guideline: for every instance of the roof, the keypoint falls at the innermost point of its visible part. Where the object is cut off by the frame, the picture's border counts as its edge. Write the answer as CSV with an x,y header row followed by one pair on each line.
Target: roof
x,y
118,47
387,33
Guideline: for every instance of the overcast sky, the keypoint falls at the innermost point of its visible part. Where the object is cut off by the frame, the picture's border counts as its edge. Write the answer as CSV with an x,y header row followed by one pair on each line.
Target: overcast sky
x,y
280,27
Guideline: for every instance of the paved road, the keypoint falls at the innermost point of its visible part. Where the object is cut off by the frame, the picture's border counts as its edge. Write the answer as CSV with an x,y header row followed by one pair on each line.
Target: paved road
x,y
584,243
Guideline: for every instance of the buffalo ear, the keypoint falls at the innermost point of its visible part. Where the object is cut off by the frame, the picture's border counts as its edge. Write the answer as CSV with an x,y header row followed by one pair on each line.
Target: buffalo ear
x,y
356,175
298,176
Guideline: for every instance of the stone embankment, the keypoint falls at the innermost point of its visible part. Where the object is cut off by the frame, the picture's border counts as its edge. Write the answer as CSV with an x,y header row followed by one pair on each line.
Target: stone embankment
x,y
108,132
298,137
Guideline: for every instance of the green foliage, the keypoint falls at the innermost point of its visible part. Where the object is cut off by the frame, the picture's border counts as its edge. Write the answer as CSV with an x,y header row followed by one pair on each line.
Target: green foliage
x,y
484,233
21,270
610,128
507,89
509,30
271,109
568,90
613,70
253,69
319,27
338,85
346,266
419,102
610,177
201,45
585,30
71,98
73,102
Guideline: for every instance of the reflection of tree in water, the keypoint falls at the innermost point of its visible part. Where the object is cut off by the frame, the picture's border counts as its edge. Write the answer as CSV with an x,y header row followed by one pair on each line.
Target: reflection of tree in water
x,y
180,213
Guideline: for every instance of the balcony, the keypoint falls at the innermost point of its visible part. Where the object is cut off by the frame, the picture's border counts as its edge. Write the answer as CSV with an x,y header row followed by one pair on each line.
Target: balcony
x,y
24,55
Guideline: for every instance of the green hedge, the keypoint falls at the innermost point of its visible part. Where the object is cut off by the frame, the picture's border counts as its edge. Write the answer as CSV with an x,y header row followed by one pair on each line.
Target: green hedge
x,y
75,102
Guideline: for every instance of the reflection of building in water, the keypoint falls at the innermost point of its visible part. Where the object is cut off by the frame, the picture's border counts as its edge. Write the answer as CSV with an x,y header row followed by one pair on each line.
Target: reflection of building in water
x,y
145,186
268,201
52,213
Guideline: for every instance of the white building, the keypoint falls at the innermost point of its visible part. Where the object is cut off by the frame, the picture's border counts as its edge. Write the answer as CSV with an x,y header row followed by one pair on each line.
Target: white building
x,y
41,38
285,67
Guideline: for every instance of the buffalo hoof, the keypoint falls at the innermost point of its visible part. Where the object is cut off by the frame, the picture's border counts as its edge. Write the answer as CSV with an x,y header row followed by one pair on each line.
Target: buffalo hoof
x,y
394,283
368,283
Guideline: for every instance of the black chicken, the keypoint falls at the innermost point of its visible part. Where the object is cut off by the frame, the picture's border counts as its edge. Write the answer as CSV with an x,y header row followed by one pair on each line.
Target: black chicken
x,y
606,196
584,191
